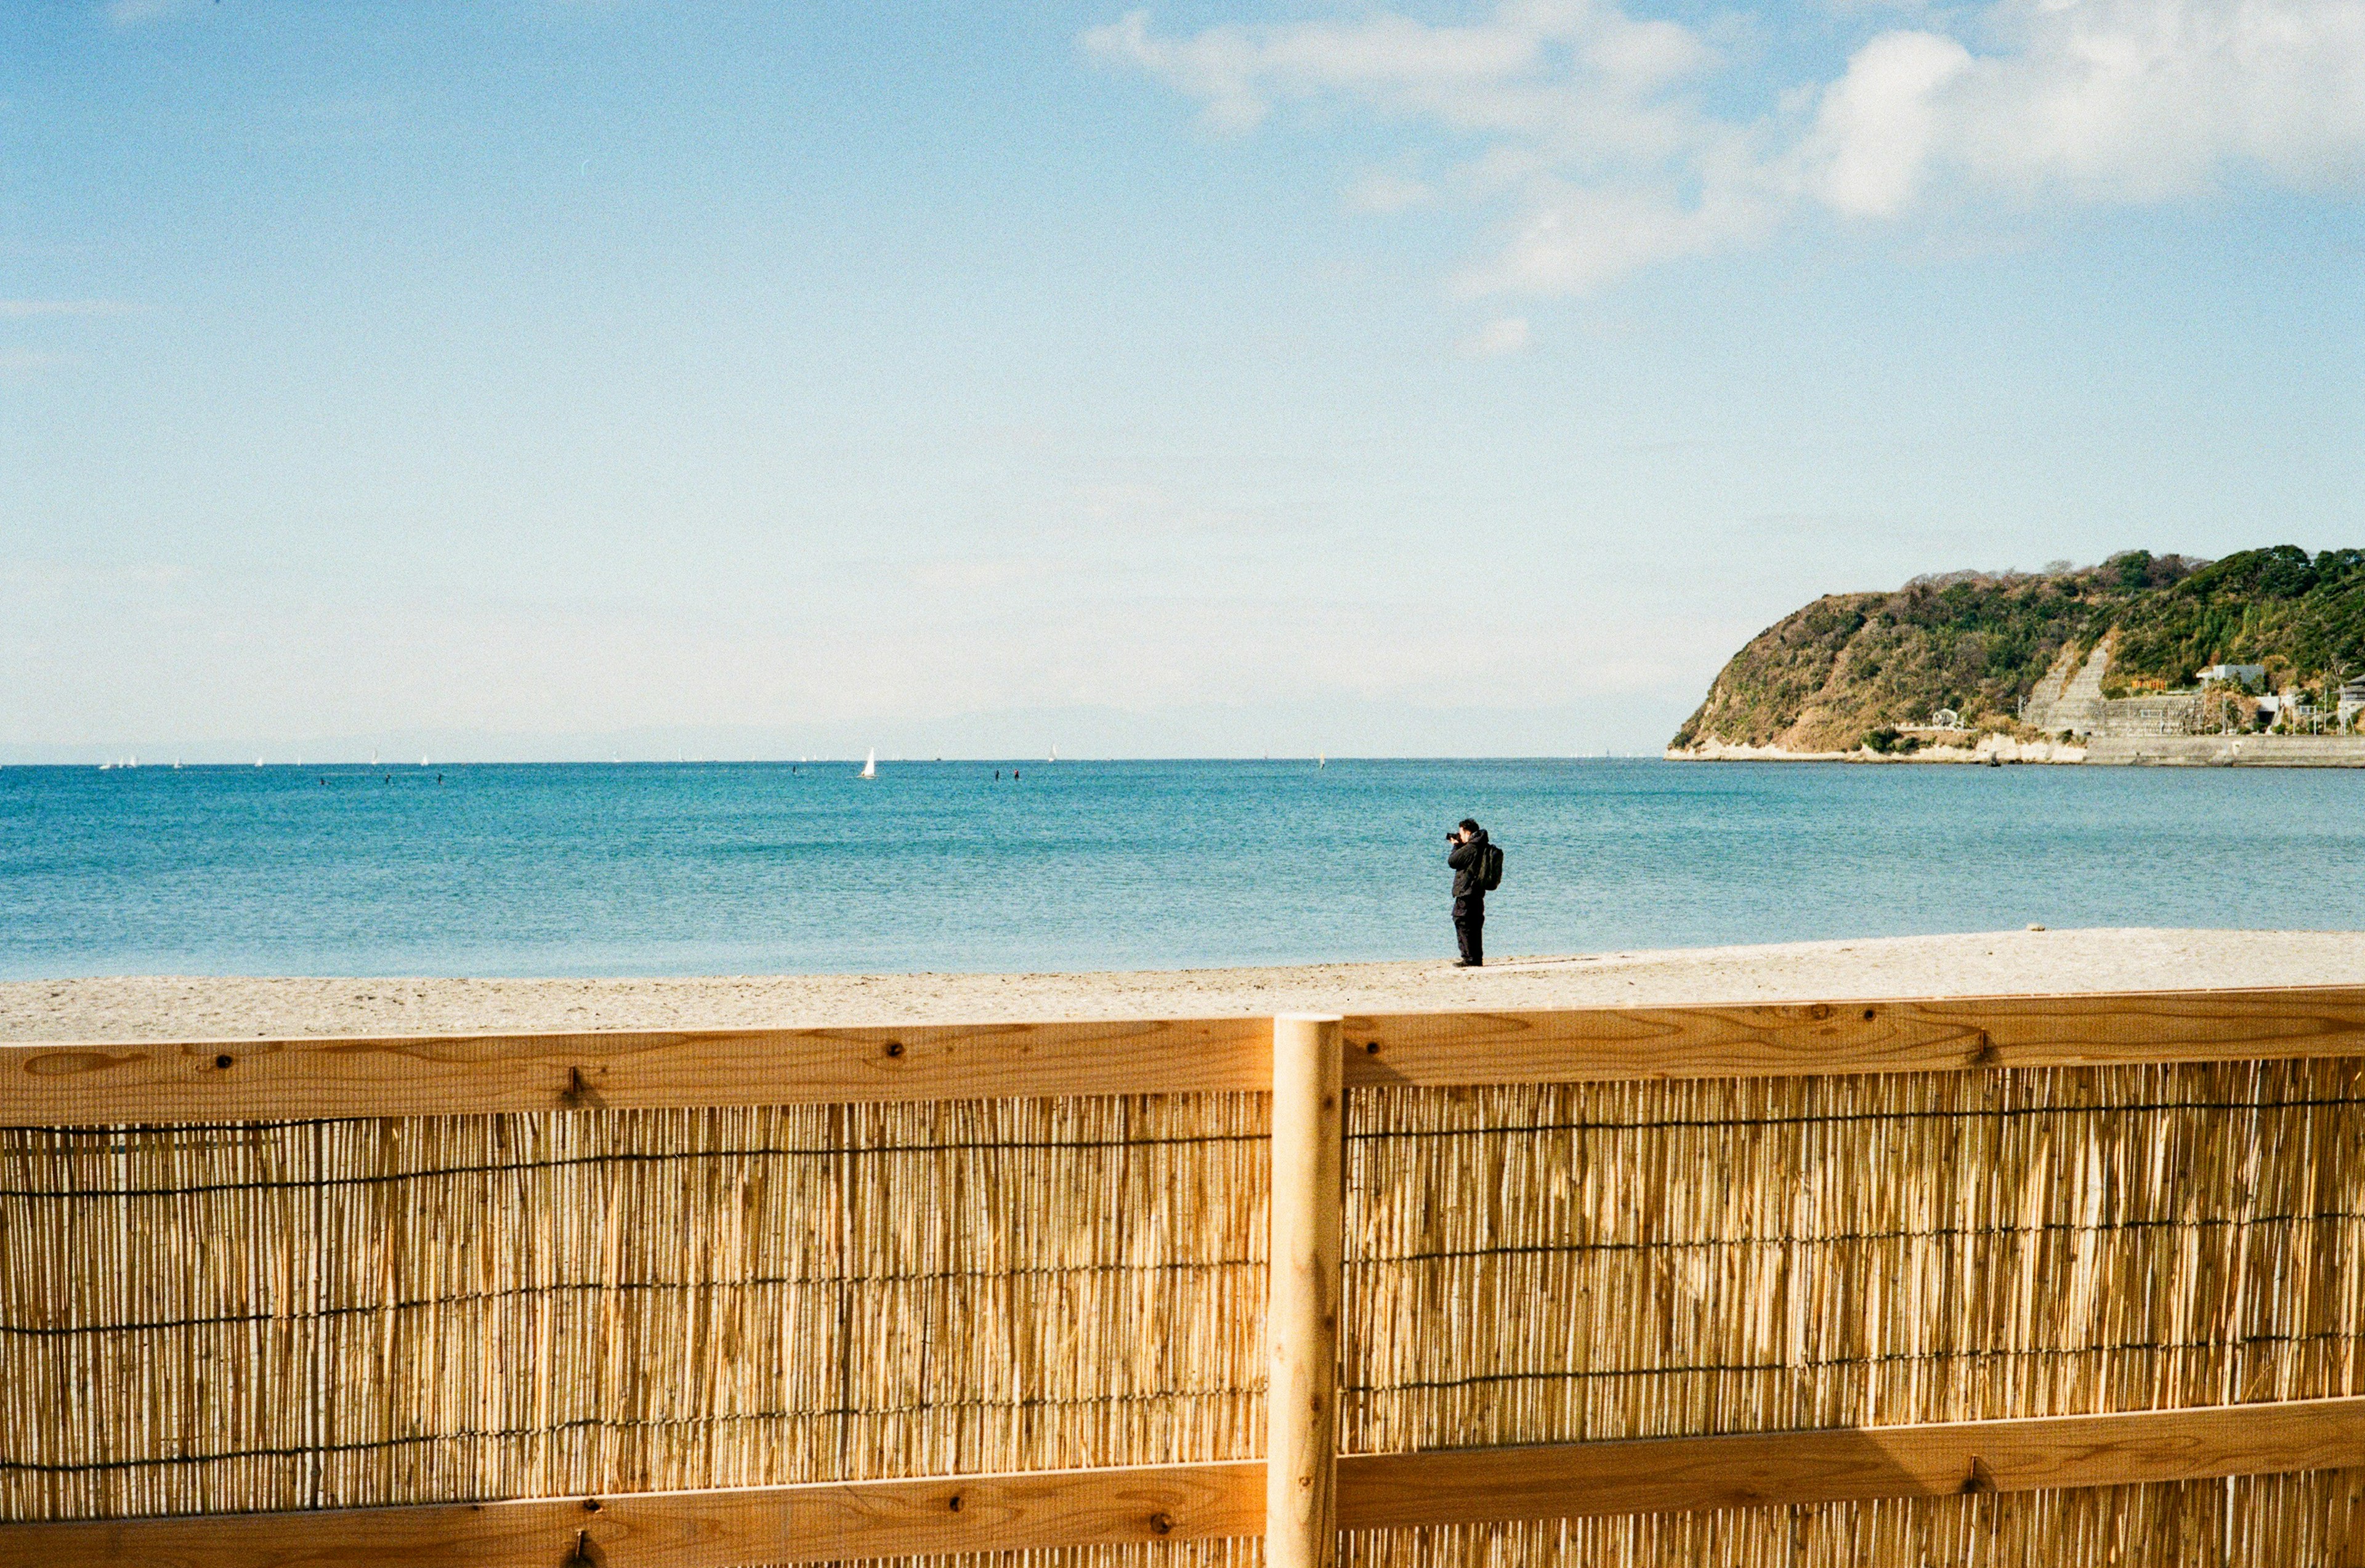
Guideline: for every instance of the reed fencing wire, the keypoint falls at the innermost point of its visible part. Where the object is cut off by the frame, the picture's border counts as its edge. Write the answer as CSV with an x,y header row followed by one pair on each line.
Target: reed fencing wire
x,y
340,1312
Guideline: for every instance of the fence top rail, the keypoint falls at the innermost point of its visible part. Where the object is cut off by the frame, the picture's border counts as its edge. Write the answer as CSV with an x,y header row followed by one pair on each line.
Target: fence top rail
x,y
345,1076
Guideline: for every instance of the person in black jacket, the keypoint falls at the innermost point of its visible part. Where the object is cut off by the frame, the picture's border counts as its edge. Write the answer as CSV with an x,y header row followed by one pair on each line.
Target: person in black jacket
x,y
1466,855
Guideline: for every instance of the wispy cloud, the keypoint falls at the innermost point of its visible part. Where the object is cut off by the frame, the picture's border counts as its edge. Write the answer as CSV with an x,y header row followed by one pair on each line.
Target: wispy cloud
x,y
1388,193
137,13
21,309
1589,121
1507,334
14,361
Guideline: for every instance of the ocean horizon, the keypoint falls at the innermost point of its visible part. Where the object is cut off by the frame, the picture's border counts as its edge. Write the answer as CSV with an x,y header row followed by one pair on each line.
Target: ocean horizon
x,y
672,868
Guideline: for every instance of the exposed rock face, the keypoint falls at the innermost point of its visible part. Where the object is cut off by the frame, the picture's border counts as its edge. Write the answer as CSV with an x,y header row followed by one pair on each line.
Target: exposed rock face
x,y
2070,699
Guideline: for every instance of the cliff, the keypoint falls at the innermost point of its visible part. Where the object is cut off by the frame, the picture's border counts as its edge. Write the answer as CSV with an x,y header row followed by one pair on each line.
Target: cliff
x,y
1850,671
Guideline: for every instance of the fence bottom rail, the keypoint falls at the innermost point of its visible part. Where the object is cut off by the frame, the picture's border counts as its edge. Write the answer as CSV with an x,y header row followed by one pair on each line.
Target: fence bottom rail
x,y
836,1521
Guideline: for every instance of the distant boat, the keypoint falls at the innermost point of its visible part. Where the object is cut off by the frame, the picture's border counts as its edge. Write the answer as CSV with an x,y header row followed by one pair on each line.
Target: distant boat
x,y
870,763
1321,761
106,766
423,762
258,762
1054,754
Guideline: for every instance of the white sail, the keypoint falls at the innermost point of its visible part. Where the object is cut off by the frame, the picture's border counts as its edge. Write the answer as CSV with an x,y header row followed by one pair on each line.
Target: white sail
x,y
870,763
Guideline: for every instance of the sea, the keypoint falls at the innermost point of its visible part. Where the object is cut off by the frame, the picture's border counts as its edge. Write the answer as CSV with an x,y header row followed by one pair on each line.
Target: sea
x,y
775,867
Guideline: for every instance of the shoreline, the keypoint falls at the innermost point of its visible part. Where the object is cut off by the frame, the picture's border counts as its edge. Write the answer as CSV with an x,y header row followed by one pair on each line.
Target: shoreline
x,y
1970,964
2098,751
1990,750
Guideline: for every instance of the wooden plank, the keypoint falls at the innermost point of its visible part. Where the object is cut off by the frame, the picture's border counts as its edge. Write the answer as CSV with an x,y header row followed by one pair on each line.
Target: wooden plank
x,y
1681,1475
724,1529
845,1520
444,1074
1790,1039
1306,1249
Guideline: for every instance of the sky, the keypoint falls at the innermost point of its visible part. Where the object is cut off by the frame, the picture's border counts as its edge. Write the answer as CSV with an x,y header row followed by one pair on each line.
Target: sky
x,y
556,378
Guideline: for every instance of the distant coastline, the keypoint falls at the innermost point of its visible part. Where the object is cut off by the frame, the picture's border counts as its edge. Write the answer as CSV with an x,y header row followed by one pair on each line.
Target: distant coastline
x,y
2254,660
2101,751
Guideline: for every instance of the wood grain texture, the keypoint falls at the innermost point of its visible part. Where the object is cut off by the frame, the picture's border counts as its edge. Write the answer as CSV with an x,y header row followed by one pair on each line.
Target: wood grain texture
x,y
447,1074
1792,1039
202,1080
1671,1474
688,1529
838,1521
1302,1296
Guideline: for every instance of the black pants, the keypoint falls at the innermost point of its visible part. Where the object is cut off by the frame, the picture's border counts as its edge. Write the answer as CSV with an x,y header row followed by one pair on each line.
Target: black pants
x,y
1470,927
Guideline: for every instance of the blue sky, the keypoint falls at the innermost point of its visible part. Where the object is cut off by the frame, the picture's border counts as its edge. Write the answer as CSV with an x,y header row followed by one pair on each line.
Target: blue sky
x,y
543,378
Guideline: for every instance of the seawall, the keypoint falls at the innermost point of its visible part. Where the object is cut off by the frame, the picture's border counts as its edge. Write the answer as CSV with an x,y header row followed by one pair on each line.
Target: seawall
x,y
1988,749
2227,750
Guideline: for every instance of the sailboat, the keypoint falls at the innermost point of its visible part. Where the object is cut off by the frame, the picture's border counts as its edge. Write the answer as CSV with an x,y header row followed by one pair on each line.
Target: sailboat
x,y
870,763
1054,754
1321,762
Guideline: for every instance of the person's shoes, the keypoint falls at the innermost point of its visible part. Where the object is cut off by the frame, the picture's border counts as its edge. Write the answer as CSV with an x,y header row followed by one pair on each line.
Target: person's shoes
x,y
1465,964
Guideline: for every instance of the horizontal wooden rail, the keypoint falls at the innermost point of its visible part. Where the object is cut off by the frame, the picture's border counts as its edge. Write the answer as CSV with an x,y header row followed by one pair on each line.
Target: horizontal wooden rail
x,y
199,1081
838,1521
1795,1039
1657,1475
831,1521
447,1074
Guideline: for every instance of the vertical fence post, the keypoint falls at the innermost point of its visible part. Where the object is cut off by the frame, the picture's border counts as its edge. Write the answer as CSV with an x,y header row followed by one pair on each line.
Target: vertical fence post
x,y
1301,1519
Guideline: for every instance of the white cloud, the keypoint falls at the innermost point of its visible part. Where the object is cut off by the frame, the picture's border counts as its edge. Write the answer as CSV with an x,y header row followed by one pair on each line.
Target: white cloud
x,y
1585,119
1874,131
134,13
1388,193
20,309
1507,334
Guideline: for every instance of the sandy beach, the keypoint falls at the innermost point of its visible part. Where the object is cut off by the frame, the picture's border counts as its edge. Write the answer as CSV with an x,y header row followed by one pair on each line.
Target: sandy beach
x,y
155,1007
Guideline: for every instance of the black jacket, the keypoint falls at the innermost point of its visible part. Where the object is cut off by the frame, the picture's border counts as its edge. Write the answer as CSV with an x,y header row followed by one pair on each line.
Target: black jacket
x,y
1468,861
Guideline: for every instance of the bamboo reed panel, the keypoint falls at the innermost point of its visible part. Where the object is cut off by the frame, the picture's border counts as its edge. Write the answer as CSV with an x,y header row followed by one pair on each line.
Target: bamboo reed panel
x,y
320,1314
343,1314
978,1514
199,1081
2313,1520
1563,1263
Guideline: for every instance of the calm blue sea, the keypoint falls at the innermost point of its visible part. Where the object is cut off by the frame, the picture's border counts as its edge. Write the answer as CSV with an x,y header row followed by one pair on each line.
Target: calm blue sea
x,y
724,869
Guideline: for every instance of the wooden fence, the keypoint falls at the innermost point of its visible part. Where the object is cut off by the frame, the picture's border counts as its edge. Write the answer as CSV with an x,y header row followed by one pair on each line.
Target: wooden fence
x,y
2217,1138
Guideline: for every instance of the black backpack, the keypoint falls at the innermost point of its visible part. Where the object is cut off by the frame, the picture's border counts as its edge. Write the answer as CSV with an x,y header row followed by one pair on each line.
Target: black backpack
x,y
1490,867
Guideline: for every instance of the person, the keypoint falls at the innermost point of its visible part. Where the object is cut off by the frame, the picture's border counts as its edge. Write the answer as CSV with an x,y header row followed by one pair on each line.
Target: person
x,y
1466,855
